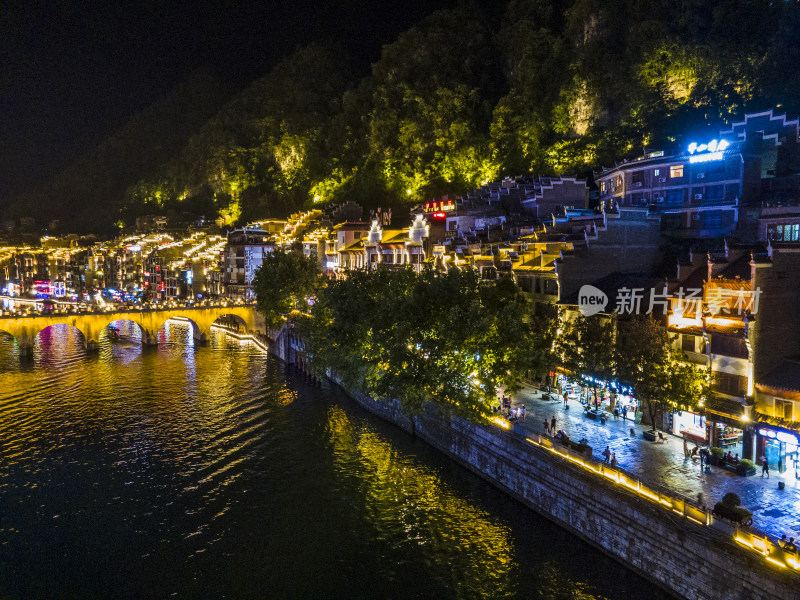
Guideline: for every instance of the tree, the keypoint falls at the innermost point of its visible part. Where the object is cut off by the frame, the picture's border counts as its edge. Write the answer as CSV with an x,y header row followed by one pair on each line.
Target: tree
x,y
283,283
657,371
586,347
448,337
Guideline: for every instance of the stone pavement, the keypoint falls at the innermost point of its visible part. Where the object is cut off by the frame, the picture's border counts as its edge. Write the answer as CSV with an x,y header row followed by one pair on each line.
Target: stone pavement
x,y
774,511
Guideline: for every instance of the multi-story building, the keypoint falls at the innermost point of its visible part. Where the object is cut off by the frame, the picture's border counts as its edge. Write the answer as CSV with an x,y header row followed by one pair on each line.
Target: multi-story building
x,y
735,312
241,258
711,187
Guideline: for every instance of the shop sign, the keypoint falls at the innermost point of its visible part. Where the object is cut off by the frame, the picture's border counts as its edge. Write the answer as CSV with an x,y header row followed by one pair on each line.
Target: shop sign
x,y
707,152
438,206
786,437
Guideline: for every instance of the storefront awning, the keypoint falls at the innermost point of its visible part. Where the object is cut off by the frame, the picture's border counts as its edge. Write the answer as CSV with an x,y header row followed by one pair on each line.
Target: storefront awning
x,y
778,423
717,406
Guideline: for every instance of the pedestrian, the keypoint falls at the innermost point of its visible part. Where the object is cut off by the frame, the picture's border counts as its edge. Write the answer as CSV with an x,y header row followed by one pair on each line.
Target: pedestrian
x,y
613,459
782,543
616,413
702,458
522,412
546,426
566,397
606,455
764,466
553,423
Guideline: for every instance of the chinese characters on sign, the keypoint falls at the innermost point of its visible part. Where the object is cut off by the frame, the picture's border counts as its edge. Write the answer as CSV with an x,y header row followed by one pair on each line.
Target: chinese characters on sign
x,y
689,302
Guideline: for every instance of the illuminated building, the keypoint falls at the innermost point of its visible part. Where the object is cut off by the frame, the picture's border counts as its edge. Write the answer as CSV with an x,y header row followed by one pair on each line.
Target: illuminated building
x,y
241,258
712,185
742,325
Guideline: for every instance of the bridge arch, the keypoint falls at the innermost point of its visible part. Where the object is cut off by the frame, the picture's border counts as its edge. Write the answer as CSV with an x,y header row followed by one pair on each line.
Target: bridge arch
x,y
91,324
56,338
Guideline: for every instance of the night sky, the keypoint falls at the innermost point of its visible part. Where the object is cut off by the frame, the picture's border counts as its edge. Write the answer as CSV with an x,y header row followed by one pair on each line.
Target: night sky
x,y
72,73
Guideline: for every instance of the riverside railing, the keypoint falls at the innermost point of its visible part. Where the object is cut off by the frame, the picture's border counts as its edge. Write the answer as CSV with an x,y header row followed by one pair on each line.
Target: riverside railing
x,y
751,539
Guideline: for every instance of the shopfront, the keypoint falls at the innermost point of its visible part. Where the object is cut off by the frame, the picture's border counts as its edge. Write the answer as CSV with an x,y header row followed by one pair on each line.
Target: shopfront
x,y
780,447
725,423
690,425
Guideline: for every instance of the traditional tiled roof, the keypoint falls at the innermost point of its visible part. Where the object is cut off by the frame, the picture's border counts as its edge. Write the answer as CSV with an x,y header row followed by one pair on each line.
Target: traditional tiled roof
x,y
690,329
786,376
733,329
613,283
724,406
694,281
778,422
356,247
740,267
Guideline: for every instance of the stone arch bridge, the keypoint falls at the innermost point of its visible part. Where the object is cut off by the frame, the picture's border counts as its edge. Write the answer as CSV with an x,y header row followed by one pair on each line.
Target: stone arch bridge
x,y
91,324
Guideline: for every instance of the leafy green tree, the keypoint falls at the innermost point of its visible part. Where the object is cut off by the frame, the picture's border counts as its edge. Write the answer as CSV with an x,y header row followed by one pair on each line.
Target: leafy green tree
x,y
442,337
586,348
657,371
283,283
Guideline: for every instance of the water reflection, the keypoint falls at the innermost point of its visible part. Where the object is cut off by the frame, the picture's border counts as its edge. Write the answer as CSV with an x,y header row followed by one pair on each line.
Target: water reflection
x,y
208,471
432,518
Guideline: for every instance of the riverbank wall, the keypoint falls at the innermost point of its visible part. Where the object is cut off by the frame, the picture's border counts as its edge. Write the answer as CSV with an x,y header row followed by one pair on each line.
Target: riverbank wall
x,y
669,545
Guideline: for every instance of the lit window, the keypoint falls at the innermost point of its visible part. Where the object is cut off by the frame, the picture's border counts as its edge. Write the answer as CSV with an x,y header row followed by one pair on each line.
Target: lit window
x,y
676,171
657,172
783,409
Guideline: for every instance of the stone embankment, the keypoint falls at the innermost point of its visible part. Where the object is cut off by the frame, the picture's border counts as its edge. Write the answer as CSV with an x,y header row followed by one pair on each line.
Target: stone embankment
x,y
671,545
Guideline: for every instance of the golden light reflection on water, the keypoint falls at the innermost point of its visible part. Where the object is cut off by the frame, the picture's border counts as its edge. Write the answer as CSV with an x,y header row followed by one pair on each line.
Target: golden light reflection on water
x,y
434,518
209,446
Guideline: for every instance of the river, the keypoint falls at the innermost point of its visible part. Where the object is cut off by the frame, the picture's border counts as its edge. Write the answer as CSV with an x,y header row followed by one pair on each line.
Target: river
x,y
214,472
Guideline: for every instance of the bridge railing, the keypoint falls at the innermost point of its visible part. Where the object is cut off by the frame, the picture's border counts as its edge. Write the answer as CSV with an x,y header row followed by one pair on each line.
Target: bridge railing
x,y
27,307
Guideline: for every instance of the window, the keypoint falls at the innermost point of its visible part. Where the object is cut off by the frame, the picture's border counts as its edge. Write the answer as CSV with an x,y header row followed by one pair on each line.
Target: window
x,y
638,178
728,346
676,171
714,193
712,218
674,196
784,233
657,172
550,287
687,343
783,409
727,383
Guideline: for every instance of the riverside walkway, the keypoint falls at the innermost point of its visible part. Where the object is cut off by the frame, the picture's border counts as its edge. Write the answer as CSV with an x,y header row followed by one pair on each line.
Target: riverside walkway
x,y
774,511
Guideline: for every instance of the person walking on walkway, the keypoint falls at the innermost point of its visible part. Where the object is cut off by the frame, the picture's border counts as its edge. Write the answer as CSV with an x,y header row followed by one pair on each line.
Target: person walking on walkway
x,y
606,455
553,423
764,466
546,427
566,397
613,459
522,412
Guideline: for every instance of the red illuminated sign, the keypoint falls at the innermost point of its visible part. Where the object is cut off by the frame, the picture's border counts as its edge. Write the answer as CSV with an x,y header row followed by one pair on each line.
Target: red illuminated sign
x,y
444,205
438,215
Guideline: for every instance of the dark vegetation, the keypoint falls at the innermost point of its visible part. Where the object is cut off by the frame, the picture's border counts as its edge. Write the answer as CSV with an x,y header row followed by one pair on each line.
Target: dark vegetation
x,y
464,97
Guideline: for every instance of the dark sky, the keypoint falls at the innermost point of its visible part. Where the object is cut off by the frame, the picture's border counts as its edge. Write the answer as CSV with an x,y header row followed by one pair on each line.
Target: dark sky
x,y
71,73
